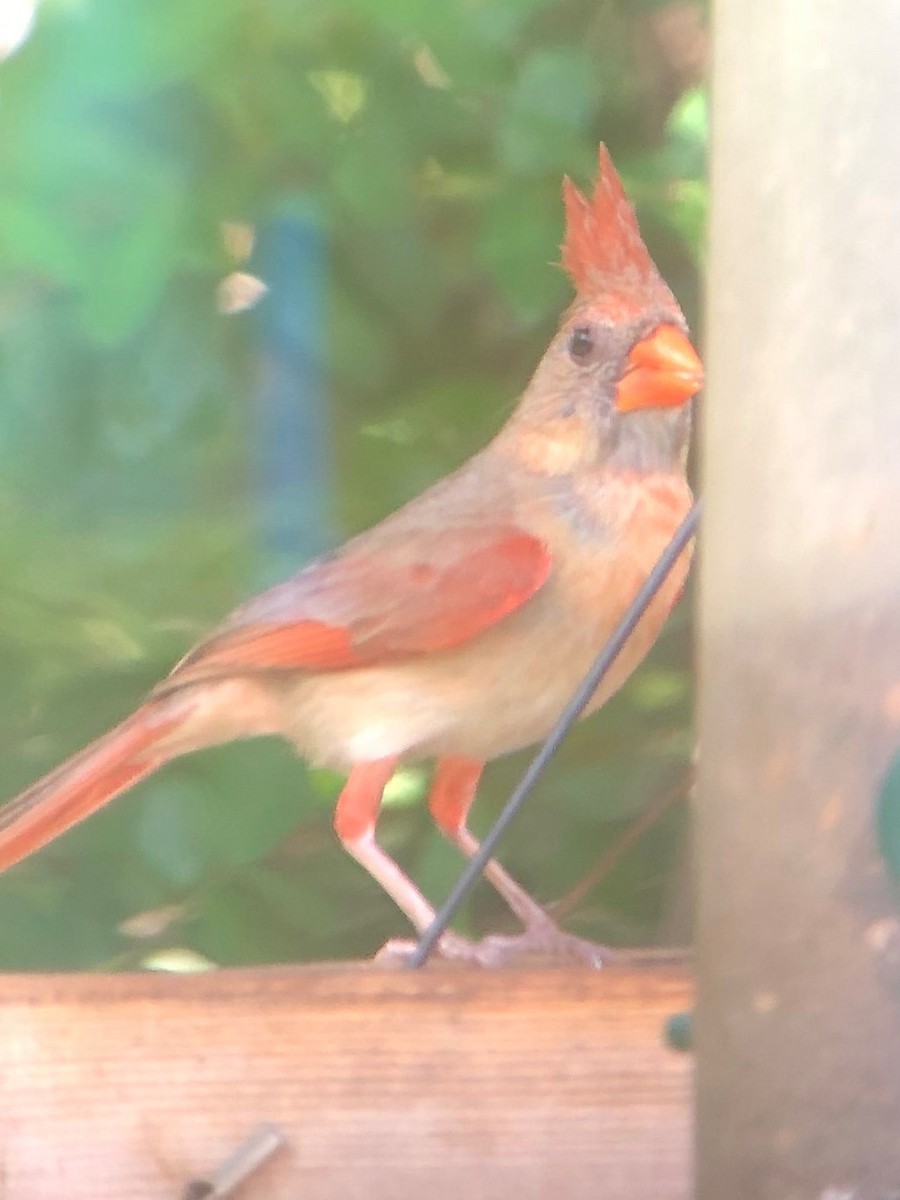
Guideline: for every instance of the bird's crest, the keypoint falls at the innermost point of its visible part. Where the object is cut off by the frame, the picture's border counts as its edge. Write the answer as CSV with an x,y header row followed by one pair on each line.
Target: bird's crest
x,y
603,253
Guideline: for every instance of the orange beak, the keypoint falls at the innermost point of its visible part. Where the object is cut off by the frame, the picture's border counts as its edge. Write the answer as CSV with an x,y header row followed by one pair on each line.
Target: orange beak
x,y
662,371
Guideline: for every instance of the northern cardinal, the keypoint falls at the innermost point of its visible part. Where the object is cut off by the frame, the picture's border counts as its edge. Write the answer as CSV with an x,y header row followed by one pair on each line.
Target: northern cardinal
x,y
457,628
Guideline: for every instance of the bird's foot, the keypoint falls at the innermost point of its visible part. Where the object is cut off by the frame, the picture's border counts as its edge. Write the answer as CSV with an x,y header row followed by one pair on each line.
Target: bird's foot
x,y
543,944
451,949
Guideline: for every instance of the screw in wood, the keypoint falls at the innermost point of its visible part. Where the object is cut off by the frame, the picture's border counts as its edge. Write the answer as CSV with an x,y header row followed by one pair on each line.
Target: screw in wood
x,y
239,1166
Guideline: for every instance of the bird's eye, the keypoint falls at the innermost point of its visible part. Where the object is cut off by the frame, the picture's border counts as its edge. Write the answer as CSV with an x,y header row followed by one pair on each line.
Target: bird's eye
x,y
581,343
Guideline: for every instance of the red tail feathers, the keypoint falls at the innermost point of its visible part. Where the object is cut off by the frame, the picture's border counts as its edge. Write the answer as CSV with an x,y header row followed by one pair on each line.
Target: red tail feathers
x,y
86,781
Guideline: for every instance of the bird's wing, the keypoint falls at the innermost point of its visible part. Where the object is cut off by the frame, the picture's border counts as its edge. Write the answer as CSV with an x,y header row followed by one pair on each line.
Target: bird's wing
x,y
378,600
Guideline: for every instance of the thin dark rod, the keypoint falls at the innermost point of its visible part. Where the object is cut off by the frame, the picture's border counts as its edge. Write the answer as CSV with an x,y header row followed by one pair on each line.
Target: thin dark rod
x,y
569,716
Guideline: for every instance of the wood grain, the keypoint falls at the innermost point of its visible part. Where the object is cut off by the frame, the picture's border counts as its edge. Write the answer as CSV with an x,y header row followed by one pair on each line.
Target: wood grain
x,y
388,1083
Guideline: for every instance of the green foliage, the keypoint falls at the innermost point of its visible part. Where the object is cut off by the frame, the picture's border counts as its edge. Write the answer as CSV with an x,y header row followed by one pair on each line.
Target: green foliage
x,y
425,143
889,819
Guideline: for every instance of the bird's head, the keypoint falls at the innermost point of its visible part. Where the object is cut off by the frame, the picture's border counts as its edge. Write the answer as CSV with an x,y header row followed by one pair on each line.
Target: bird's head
x,y
621,369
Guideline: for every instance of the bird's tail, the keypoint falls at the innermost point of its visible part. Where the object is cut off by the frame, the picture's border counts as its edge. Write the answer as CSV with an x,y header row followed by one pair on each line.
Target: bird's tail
x,y
89,779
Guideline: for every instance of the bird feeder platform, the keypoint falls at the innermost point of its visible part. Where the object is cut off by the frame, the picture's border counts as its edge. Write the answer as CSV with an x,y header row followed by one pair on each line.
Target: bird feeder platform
x,y
444,1082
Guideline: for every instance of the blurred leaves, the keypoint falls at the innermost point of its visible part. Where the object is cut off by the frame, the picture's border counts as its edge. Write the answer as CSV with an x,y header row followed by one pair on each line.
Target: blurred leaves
x,y
419,148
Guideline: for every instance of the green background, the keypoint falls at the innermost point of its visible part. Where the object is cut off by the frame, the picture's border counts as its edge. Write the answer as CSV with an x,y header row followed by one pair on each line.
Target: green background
x,y
416,149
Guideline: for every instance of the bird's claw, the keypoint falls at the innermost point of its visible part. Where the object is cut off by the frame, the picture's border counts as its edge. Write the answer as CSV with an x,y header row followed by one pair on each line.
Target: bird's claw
x,y
540,945
451,949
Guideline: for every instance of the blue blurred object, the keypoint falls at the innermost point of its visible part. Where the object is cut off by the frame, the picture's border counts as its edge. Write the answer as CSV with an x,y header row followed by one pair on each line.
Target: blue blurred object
x,y
294,460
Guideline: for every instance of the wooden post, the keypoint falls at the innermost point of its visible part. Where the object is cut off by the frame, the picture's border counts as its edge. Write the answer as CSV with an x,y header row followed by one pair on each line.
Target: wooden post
x,y
799,954
440,1083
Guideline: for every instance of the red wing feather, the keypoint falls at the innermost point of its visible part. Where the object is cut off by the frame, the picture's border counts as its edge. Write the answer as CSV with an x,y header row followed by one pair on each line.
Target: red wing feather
x,y
379,610
301,645
449,607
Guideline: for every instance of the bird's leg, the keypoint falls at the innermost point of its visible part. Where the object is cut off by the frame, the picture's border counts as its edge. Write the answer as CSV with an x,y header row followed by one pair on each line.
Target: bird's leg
x,y
354,822
452,793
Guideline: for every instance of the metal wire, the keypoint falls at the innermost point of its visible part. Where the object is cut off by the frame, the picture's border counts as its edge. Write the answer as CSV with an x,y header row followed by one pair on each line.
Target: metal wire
x,y
568,717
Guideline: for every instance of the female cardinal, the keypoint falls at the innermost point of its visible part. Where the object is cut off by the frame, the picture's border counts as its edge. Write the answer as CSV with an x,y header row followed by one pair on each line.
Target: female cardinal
x,y
458,627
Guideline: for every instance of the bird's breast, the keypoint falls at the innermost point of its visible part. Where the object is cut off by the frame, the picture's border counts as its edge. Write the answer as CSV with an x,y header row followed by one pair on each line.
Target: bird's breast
x,y
505,688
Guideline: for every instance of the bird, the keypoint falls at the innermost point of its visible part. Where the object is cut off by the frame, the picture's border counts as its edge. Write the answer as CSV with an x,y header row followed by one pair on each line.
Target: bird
x,y
456,628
